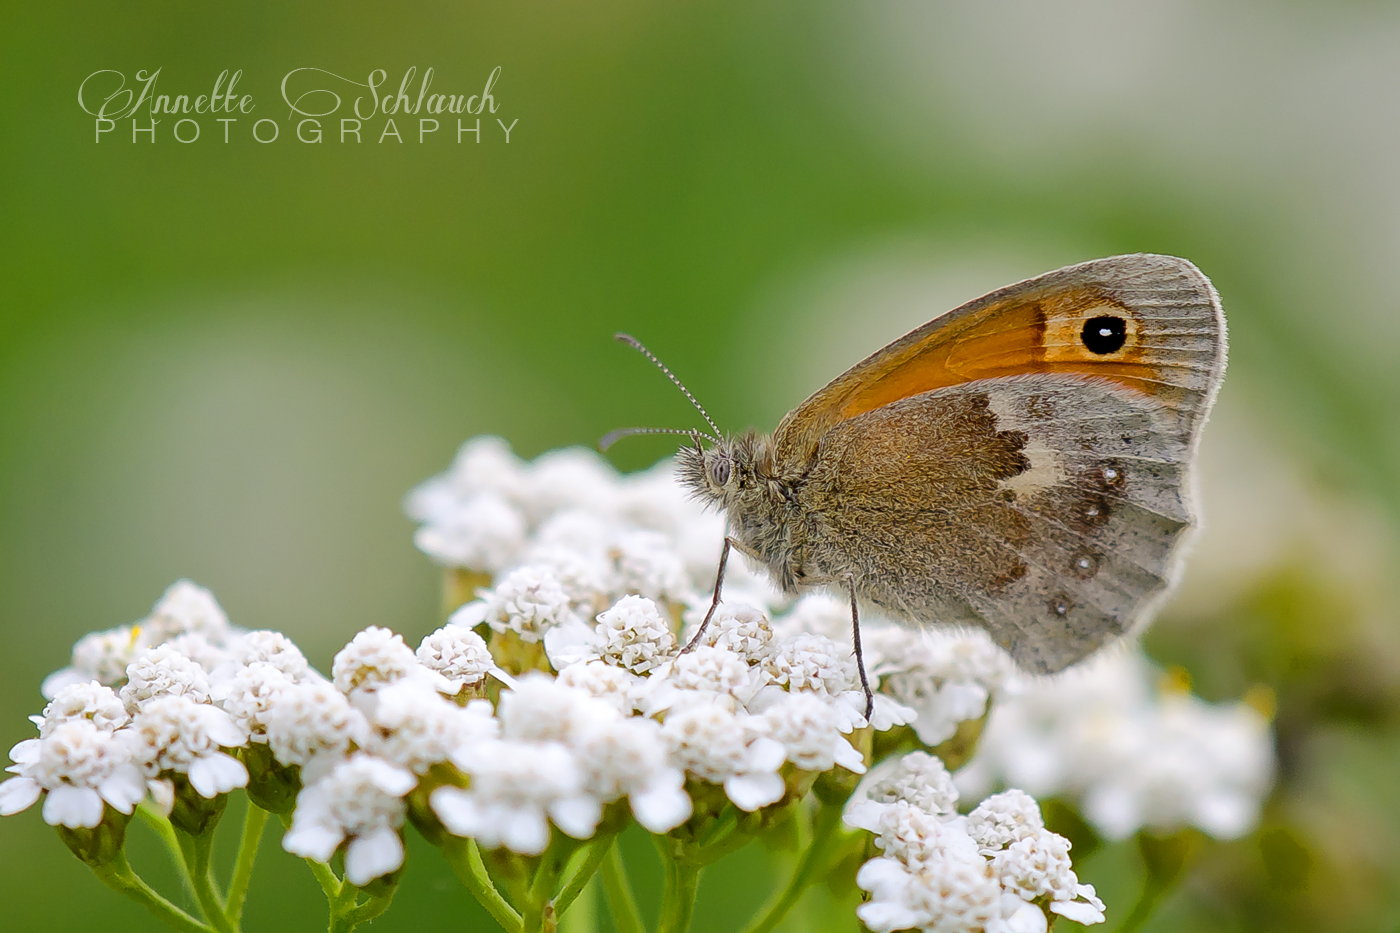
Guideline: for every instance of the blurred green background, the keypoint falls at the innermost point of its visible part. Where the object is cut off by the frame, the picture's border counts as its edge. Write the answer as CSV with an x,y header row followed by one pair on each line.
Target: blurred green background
x,y
229,362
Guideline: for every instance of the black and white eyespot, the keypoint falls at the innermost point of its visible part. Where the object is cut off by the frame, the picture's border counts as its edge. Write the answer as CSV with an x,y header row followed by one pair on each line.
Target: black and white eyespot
x,y
719,470
1104,334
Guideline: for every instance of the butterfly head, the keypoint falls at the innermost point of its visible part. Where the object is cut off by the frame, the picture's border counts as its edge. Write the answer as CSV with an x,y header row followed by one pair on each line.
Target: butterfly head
x,y
726,472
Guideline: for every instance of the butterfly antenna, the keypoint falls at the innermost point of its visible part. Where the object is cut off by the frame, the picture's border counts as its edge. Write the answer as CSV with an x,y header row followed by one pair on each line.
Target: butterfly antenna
x,y
637,345
612,437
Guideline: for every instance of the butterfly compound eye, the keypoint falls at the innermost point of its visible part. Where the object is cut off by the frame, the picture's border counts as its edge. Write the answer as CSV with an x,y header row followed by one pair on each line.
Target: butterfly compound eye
x,y
719,471
1104,335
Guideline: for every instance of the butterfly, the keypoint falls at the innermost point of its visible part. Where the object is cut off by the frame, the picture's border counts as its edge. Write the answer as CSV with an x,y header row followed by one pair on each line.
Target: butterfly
x,y
1020,464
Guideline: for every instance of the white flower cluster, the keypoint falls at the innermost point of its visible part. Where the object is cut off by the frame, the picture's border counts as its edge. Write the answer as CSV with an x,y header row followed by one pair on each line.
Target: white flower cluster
x,y
101,746
1133,756
938,871
601,565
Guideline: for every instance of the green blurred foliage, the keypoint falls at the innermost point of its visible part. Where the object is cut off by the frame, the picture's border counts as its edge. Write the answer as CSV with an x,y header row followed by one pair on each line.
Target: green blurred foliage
x,y
230,362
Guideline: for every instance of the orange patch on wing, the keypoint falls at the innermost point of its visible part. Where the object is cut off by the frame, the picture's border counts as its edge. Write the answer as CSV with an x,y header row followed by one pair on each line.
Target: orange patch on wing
x,y
1007,339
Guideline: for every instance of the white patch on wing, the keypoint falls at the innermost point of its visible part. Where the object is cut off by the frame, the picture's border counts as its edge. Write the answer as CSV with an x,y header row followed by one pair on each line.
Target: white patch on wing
x,y
1046,463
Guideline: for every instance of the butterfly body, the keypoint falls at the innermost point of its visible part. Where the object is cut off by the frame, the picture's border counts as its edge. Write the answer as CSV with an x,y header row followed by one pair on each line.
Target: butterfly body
x,y
1019,464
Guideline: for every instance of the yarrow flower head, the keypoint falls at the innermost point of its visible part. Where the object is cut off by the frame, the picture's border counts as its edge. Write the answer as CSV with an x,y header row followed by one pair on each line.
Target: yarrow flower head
x,y
1132,756
78,767
528,603
576,693
162,671
175,733
459,655
361,801
91,701
940,871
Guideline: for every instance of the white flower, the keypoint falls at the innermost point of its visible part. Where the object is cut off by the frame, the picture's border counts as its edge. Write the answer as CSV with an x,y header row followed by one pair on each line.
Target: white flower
x,y
249,695
186,607
482,464
809,731
174,733
362,800
946,679
708,670
1086,908
79,766
582,572
644,562
528,602
375,657
740,627
516,788
163,671
918,779
952,891
99,656
812,662
627,757
483,532
92,701
199,648
1035,865
458,654
311,723
715,744
267,647
632,634
1004,818
617,687
541,709
575,477
1098,734
413,726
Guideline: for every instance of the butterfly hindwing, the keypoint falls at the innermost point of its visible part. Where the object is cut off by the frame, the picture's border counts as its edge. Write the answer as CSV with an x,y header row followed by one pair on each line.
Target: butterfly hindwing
x,y
1045,508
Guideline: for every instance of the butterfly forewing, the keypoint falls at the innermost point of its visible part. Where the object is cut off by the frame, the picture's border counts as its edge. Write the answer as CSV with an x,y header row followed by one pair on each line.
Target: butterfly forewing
x,y
1020,463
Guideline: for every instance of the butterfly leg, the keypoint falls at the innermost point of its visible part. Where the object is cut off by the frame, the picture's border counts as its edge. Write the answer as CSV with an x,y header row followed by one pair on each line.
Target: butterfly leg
x,y
714,603
855,639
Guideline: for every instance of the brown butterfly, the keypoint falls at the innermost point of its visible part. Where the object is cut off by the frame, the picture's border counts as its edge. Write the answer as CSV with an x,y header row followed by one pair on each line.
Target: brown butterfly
x,y
1019,464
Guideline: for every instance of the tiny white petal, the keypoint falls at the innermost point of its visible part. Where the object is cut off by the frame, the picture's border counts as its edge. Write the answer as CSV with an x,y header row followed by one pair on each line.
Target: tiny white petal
x,y
74,807
18,793
1026,918
312,840
749,792
124,789
661,809
373,854
216,774
526,832
577,816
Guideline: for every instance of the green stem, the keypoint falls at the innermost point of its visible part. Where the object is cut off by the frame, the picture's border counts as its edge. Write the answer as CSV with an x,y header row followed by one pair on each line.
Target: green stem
x,y
199,851
326,878
118,876
538,914
253,822
618,890
160,825
583,918
465,859
678,896
598,850
814,858
370,909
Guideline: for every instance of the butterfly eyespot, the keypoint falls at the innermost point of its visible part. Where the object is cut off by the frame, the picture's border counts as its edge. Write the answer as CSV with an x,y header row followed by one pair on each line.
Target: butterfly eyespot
x,y
1104,334
1089,513
1111,476
1060,605
1084,565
